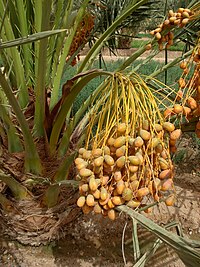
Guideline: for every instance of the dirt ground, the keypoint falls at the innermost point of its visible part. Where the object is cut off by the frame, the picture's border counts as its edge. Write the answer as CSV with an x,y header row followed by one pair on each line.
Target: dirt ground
x,y
125,53
96,241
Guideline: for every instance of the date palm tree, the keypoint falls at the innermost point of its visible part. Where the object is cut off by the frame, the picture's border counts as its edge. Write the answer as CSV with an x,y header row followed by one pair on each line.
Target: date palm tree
x,y
39,39
39,136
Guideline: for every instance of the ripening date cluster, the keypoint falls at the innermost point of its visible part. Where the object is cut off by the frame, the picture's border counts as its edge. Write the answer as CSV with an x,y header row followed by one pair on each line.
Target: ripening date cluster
x,y
163,33
81,36
188,105
131,170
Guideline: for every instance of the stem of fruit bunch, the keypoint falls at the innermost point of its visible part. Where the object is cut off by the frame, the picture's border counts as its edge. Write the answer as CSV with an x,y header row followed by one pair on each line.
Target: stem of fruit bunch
x,y
93,52
32,160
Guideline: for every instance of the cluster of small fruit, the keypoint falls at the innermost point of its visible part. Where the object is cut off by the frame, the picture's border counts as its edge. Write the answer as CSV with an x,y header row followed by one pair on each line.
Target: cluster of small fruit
x,y
81,36
187,101
196,86
134,169
163,32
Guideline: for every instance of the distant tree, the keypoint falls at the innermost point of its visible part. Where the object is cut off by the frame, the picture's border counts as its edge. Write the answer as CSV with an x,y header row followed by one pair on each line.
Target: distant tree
x,y
106,11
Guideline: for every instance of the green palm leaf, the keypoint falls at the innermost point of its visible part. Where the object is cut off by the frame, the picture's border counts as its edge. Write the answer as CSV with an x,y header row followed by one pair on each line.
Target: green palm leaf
x,y
183,247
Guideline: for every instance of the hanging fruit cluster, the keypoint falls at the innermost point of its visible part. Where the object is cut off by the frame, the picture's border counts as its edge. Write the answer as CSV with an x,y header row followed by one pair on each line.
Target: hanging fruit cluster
x,y
128,161
187,100
81,37
163,32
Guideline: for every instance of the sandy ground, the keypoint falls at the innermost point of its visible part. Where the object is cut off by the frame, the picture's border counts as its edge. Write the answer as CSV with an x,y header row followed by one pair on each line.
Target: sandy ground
x,y
125,53
96,241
